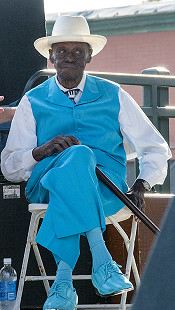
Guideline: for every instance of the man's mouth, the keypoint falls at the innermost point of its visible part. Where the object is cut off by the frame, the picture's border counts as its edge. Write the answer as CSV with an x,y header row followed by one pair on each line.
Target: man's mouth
x,y
69,66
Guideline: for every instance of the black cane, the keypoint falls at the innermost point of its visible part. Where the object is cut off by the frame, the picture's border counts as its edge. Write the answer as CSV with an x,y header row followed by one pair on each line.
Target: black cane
x,y
102,177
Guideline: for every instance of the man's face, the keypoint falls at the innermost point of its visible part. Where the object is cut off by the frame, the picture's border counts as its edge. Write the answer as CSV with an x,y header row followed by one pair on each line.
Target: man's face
x,y
70,59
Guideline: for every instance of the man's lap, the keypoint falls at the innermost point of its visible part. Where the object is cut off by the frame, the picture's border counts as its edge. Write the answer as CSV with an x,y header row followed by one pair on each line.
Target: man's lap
x,y
35,191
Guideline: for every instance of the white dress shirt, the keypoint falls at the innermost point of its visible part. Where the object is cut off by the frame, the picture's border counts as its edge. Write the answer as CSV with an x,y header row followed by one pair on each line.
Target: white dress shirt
x,y
143,139
80,87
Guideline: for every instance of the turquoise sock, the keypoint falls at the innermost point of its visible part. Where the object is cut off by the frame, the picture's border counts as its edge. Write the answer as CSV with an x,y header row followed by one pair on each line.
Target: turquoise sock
x,y
64,273
100,253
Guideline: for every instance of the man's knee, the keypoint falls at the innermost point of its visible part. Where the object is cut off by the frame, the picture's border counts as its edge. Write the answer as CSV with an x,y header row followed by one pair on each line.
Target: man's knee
x,y
82,152
75,156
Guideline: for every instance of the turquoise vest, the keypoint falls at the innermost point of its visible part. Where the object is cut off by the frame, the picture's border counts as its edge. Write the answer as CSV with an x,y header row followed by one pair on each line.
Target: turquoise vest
x,y
93,120
77,201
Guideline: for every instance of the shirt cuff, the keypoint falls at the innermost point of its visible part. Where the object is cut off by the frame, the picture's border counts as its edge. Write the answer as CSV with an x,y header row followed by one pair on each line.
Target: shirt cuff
x,y
28,161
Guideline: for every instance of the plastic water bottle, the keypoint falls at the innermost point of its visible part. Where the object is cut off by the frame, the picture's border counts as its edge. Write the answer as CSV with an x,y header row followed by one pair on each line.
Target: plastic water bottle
x,y
8,279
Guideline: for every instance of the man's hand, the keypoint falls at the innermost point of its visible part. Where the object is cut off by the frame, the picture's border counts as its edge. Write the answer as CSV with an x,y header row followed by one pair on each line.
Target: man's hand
x,y
136,195
55,145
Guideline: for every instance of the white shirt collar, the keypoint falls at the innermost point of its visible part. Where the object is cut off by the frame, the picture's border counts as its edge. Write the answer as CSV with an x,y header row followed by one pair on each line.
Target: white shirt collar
x,y
80,85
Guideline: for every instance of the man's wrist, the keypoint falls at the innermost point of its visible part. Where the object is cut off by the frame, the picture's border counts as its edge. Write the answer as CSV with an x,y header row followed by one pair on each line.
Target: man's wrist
x,y
145,184
37,154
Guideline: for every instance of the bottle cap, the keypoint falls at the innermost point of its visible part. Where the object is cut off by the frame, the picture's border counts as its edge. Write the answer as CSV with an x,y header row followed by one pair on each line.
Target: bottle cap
x,y
7,261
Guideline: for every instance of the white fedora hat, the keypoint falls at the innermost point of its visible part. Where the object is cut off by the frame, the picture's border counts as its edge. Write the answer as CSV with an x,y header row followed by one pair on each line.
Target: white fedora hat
x,y
70,29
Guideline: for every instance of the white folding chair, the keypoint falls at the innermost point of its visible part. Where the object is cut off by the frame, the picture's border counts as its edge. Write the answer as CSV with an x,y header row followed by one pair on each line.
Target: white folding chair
x,y
38,212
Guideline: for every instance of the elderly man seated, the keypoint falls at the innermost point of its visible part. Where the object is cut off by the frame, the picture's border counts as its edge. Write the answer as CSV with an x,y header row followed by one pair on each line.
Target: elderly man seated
x,y
61,130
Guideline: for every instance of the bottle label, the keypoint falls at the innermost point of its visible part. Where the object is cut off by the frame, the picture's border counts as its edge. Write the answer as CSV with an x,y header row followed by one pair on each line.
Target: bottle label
x,y
7,290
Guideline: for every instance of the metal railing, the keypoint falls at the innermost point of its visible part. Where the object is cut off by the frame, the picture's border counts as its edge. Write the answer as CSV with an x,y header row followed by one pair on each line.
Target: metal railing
x,y
155,82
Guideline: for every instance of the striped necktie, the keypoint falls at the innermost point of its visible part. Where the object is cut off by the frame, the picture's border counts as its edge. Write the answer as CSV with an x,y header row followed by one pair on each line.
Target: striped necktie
x,y
71,93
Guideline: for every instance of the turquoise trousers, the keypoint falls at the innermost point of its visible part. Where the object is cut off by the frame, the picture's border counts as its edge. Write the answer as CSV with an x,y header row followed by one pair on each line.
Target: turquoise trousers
x,y
78,202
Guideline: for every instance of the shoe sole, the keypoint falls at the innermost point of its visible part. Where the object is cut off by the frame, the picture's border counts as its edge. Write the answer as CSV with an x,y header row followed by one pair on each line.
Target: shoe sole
x,y
57,308
113,294
62,309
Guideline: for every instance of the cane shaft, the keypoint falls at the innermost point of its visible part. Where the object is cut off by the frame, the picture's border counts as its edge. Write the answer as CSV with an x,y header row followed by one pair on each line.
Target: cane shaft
x,y
102,177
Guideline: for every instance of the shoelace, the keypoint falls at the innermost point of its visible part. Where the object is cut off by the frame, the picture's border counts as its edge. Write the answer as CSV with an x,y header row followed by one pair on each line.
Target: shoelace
x,y
58,288
110,268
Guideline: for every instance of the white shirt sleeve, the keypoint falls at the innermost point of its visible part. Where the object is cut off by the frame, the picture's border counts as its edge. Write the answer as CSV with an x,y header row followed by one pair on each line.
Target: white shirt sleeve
x,y
141,135
152,150
17,161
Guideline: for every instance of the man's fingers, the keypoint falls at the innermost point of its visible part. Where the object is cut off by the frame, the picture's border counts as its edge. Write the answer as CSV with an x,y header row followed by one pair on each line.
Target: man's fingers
x,y
1,98
69,141
65,144
142,205
58,148
55,145
75,140
137,219
139,202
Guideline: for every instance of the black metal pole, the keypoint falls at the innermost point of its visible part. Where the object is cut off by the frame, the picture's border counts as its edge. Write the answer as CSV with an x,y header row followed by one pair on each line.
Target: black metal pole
x,y
102,177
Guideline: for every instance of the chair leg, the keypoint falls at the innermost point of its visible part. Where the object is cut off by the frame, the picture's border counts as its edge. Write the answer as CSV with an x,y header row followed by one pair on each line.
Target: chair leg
x,y
129,243
131,248
41,266
32,229
37,254
129,261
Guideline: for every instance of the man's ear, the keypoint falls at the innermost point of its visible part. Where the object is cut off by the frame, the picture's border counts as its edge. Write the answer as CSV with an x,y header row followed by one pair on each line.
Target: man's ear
x,y
51,58
89,56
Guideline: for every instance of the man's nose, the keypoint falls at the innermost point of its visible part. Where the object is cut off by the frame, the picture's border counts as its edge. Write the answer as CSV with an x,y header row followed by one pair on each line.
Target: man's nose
x,y
70,57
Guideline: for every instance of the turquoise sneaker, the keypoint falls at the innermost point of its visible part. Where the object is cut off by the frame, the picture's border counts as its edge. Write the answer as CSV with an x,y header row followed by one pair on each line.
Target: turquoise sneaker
x,y
109,280
62,296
